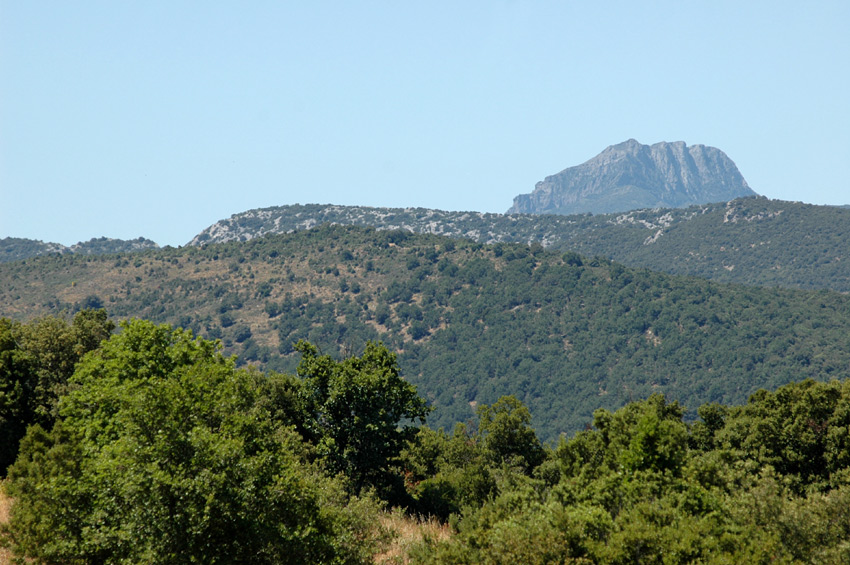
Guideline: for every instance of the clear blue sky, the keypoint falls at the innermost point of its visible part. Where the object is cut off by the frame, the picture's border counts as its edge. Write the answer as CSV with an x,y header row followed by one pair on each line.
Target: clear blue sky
x,y
156,119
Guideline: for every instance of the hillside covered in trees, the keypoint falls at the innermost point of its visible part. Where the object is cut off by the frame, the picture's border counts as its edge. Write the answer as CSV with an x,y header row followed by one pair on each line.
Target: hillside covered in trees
x,y
753,241
563,333
150,446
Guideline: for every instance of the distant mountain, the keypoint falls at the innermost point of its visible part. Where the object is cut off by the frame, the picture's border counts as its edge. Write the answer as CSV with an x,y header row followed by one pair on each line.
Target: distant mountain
x,y
632,176
16,248
752,241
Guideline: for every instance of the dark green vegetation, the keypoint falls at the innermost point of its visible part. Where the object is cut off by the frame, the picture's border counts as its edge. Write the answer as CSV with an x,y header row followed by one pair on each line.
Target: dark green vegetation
x,y
163,451
753,241
470,323
15,248
768,482
36,361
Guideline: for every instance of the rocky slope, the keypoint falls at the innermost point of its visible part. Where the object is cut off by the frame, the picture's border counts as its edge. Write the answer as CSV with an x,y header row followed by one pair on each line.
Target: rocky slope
x,y
631,176
752,241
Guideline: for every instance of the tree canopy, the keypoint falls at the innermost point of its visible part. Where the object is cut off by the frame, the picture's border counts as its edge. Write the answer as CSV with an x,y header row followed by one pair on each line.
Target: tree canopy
x,y
766,482
363,412
165,452
161,450
36,360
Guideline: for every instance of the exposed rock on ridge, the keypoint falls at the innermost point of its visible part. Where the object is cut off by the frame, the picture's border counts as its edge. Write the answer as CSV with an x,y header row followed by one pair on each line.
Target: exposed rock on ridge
x,y
631,176
753,241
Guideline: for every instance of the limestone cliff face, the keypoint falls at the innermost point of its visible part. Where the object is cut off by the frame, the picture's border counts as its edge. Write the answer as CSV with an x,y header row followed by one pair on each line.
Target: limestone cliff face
x,y
630,176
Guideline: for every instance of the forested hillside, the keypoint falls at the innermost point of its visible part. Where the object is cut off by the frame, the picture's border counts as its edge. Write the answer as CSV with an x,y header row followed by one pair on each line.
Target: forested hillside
x,y
752,241
470,322
149,446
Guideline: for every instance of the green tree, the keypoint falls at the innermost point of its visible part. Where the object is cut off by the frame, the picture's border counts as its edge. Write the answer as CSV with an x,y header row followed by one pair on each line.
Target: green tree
x,y
508,437
363,412
16,380
164,452
644,436
36,360
445,473
801,430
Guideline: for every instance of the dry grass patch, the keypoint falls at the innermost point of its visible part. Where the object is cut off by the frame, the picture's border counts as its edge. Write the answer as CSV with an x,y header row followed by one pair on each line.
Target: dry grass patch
x,y
5,506
407,531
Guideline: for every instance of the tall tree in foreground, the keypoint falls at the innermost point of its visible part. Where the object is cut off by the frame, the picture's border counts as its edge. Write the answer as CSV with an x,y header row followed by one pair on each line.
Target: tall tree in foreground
x,y
36,360
164,452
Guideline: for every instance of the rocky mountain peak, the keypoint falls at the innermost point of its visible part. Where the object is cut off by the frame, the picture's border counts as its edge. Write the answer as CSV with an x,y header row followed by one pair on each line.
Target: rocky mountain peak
x,y
630,176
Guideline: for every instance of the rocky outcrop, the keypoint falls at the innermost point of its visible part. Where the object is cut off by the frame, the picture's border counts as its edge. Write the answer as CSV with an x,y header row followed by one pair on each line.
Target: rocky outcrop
x,y
631,176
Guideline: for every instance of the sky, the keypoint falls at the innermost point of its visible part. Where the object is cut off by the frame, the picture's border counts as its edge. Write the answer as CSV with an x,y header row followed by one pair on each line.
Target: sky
x,y
158,118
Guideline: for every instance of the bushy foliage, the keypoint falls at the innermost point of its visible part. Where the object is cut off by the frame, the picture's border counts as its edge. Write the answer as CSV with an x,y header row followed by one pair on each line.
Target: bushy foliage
x,y
362,412
445,474
161,450
36,360
800,430
643,486
507,435
165,452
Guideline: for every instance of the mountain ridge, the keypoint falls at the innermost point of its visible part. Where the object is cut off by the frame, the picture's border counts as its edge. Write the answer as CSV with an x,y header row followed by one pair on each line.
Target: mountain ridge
x,y
754,241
